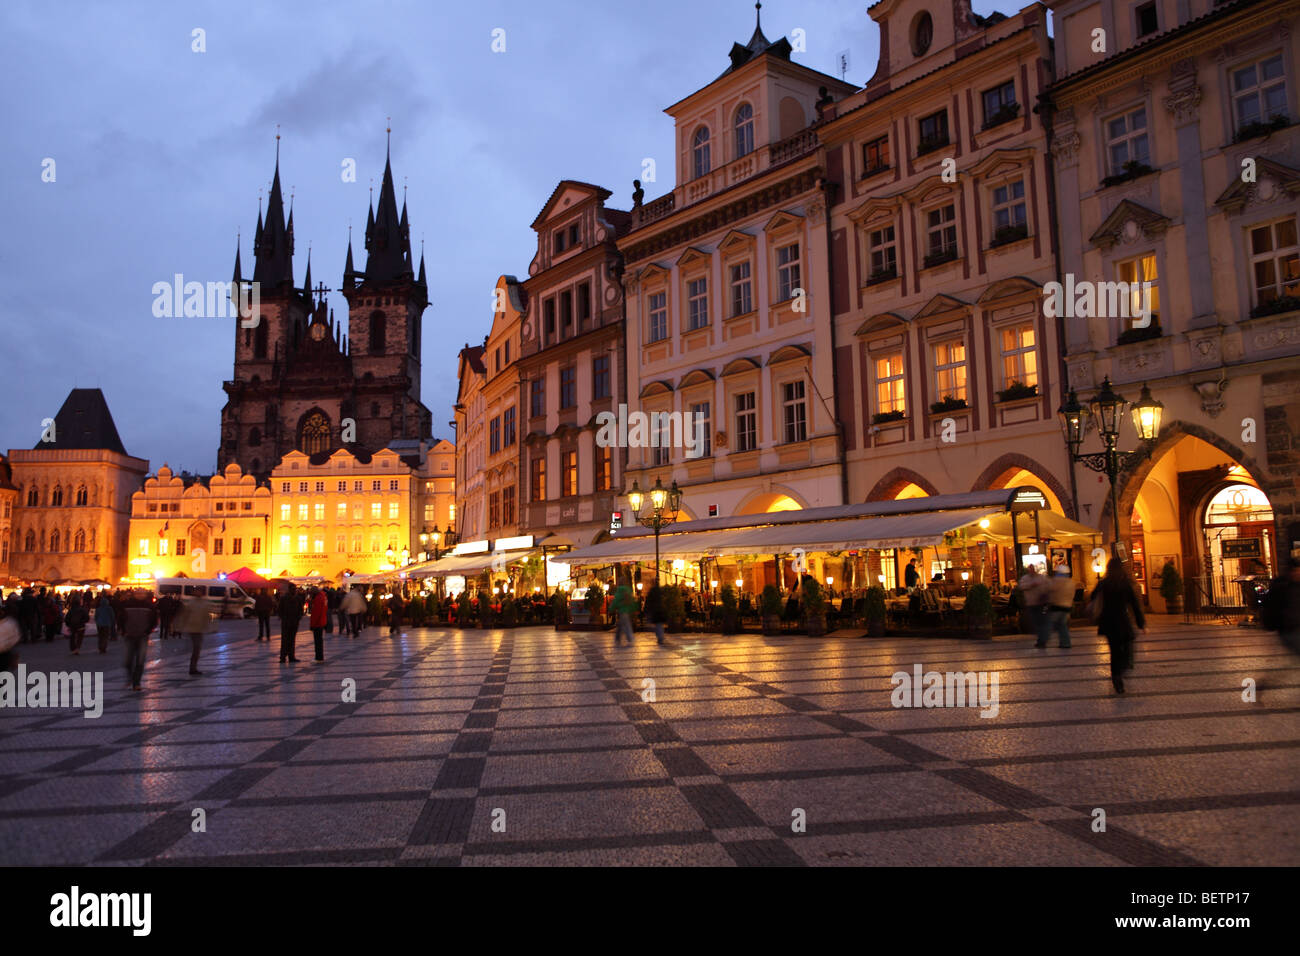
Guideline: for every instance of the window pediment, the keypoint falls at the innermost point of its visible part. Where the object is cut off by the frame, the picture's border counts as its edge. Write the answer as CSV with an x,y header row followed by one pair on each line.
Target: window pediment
x,y
1272,179
882,322
1002,162
659,387
1005,288
737,241
877,209
698,376
942,306
692,257
740,366
789,353
1128,222
931,190
783,221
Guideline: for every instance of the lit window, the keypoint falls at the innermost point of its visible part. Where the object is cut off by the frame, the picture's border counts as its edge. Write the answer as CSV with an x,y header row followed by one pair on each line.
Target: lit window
x,y
1019,356
302,544
889,383
1137,272
570,486
537,481
340,544
162,546
144,547
950,370
341,512
284,543
376,509
875,156
302,511
393,509
358,511
285,511
318,511
604,468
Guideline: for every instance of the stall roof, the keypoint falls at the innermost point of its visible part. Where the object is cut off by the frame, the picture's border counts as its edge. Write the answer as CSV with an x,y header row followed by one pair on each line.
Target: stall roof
x,y
912,530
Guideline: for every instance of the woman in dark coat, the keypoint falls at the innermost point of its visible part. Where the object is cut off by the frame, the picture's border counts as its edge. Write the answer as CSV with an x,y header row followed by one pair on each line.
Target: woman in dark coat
x,y
1119,609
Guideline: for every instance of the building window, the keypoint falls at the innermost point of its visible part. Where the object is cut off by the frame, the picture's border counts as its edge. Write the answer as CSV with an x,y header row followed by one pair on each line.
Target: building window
x,y
358,486
377,485
237,546
922,34
302,544
163,547
658,316
494,436
143,549
537,479
494,509
884,253
600,377
81,496
430,514
1135,272
746,422
1259,93
320,490
569,387
660,434
378,331
1009,220
286,487
950,370
507,431
302,487
374,544
356,543
604,468
744,130
875,156
697,297
700,152
33,497
794,411
318,511
701,425
537,398
584,310
889,384
220,506
1019,356
1126,141
1147,20
285,543
376,510
742,300
394,509
341,513
284,511
941,234
548,316
566,312
933,132
302,511
1000,104
342,487
218,546
180,547
1275,261
508,505
787,272
257,546
29,541
340,544
358,511
569,482
56,496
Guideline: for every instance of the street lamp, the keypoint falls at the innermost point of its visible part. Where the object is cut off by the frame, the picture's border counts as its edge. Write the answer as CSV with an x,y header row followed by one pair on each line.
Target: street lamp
x,y
1107,409
664,504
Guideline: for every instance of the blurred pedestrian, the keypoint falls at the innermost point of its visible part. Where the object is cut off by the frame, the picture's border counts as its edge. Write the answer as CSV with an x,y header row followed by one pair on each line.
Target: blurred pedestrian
x,y
263,605
1281,609
655,610
624,606
354,606
76,619
138,619
1033,593
1116,610
290,612
320,618
105,622
1058,599
395,608
192,619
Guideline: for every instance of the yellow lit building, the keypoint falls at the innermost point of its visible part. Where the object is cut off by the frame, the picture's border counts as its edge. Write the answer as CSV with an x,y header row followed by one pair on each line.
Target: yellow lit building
x,y
340,513
198,527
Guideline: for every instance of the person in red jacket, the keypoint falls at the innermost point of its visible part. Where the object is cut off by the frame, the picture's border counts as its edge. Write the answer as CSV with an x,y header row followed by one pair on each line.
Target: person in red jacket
x,y
320,616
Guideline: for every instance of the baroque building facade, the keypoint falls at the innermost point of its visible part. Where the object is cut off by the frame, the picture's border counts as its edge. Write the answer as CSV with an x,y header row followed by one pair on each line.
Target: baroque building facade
x,y
1177,163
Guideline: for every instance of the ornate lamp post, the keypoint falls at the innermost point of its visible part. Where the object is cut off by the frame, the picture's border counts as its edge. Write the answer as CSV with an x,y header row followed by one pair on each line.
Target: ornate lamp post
x,y
664,504
1107,409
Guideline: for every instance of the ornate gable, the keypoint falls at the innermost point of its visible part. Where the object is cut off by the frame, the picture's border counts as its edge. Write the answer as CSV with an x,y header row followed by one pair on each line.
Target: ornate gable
x,y
1272,181
942,305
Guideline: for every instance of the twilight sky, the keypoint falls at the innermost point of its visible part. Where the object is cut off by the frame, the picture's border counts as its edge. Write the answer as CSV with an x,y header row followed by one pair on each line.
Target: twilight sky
x,y
160,152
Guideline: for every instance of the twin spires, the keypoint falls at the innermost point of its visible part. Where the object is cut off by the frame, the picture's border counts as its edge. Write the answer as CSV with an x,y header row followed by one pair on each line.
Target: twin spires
x,y
387,242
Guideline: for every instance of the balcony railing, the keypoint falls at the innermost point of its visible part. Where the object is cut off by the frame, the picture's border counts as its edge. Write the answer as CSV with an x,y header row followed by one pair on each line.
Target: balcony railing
x,y
800,144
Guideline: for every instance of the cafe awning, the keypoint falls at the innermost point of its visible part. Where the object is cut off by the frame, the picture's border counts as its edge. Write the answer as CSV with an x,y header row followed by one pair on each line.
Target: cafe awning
x,y
1051,526
464,564
914,530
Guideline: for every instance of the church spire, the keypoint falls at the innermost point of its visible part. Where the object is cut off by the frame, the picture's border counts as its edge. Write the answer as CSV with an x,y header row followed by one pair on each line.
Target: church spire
x,y
239,273
349,272
275,245
384,234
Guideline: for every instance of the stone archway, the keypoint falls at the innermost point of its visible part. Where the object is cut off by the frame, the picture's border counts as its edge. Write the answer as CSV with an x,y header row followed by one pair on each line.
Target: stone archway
x,y
888,487
1007,462
1131,479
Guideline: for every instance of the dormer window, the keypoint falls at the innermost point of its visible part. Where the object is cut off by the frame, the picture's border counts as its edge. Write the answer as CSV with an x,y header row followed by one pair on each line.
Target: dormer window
x,y
744,130
700,152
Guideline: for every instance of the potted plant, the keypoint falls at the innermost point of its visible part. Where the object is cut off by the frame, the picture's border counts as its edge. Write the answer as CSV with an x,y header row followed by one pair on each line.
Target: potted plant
x,y
814,606
674,608
1140,333
463,609
1171,588
730,609
1261,128
948,403
771,605
1017,390
595,603
875,611
979,612
559,609
1282,303
1007,234
881,417
882,275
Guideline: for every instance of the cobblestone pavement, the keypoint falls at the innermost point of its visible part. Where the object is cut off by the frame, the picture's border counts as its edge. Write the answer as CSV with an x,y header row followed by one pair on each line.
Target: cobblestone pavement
x,y
536,747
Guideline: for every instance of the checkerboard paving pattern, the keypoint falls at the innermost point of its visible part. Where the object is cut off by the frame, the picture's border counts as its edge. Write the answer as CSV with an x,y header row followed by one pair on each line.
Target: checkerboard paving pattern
x,y
536,747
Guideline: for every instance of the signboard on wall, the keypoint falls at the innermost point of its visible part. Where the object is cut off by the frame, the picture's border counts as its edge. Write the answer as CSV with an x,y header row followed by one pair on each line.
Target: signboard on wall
x,y
1241,548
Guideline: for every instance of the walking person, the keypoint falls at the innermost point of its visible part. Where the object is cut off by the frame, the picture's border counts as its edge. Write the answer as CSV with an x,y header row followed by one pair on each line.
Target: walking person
x,y
262,607
1058,591
320,618
1117,610
655,611
911,576
51,616
193,620
395,608
105,622
290,612
138,619
332,603
354,606
1281,609
167,608
29,616
624,607
76,619
1034,594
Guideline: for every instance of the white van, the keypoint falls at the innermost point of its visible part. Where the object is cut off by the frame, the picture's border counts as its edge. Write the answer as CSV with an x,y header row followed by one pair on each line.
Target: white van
x,y
225,597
